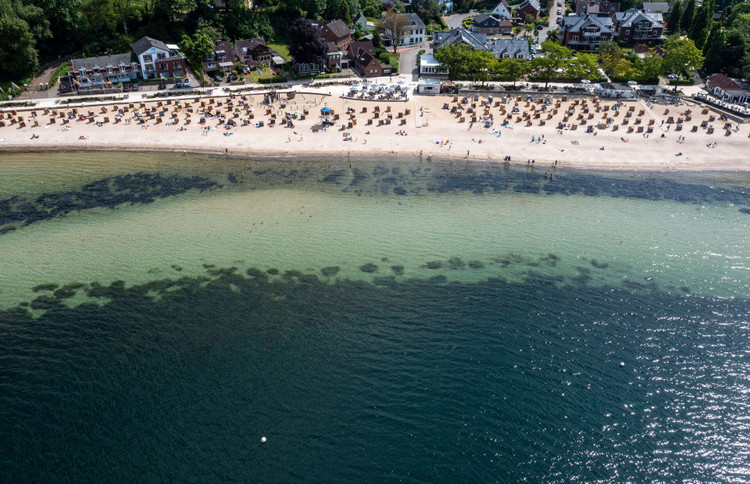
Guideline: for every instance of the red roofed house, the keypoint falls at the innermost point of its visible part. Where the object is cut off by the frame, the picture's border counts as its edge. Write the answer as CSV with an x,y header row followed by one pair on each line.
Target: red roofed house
x,y
363,57
727,88
336,32
252,52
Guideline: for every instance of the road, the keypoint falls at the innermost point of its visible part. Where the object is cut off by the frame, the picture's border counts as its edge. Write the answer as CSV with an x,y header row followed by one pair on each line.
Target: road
x,y
407,64
456,20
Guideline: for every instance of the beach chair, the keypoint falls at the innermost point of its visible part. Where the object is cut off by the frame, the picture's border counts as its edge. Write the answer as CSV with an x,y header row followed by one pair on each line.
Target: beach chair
x,y
678,128
461,119
694,129
640,129
705,111
728,132
710,130
574,127
21,124
615,127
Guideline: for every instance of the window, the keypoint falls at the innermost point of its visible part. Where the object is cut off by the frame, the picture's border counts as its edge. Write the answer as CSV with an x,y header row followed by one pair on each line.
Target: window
x,y
147,58
575,38
161,56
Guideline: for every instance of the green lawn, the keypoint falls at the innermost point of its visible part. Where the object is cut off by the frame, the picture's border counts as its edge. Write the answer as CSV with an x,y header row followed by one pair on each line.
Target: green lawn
x,y
267,74
281,49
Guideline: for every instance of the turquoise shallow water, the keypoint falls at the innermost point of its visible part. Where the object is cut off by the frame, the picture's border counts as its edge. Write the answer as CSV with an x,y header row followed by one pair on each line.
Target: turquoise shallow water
x,y
391,320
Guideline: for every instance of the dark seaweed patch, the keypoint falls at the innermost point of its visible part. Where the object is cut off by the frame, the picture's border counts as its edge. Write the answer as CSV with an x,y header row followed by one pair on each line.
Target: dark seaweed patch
x,y
273,271
599,265
433,265
330,271
456,263
398,270
132,189
475,264
369,267
45,287
257,273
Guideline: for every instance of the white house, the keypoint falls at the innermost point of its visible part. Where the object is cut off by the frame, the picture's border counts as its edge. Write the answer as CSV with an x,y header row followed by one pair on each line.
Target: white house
x,y
430,67
361,23
502,11
415,34
158,59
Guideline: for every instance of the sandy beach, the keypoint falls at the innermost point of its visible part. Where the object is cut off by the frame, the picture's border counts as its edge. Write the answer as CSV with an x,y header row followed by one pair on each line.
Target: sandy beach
x,y
572,131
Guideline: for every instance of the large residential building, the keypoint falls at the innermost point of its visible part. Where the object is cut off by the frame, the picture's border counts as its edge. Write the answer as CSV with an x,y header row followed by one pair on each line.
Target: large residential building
x,y
637,27
459,36
105,70
585,32
159,60
150,59
502,48
415,32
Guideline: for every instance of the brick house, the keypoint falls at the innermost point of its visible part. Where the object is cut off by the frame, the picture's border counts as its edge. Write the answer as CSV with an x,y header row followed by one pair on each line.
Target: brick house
x,y
638,27
221,59
529,7
585,32
252,52
159,60
336,32
485,24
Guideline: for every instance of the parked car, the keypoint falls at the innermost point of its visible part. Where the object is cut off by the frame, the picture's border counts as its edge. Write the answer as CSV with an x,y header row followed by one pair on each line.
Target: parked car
x,y
559,11
65,88
178,83
218,78
186,83
559,4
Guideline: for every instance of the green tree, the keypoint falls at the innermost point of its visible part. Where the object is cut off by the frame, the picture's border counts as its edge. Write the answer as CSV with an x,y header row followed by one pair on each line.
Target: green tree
x,y
372,8
338,9
686,22
648,68
18,54
555,58
614,63
674,17
735,58
713,50
454,58
394,26
681,55
479,65
512,69
197,48
702,22
582,66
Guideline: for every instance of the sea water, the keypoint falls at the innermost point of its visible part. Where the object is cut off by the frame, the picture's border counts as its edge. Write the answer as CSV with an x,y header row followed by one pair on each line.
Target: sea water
x,y
159,314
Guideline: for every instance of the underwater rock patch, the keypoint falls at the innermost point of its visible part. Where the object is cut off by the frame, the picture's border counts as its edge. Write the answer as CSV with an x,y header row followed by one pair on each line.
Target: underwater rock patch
x,y
369,267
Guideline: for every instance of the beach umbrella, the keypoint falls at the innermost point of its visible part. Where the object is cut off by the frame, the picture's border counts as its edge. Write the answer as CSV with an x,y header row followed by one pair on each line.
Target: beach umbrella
x,y
326,110
401,82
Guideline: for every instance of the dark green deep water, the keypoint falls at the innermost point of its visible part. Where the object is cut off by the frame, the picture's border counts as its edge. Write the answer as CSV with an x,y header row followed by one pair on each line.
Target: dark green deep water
x,y
389,375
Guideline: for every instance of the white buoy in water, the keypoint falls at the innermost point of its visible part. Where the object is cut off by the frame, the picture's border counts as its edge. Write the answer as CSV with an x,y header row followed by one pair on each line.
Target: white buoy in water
x,y
622,364
262,440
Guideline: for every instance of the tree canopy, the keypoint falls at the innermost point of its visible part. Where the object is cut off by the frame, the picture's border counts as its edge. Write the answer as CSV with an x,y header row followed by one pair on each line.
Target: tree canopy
x,y
304,44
